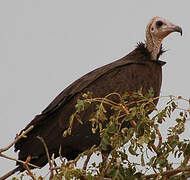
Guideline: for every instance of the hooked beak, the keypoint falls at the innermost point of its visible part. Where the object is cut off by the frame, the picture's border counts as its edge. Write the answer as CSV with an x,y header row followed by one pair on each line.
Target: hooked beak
x,y
175,28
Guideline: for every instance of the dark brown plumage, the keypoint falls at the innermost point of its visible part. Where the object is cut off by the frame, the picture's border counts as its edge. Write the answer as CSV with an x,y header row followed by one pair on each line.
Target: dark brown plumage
x,y
137,70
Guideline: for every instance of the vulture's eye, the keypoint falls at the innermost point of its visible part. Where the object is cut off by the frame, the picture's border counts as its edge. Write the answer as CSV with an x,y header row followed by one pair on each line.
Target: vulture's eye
x,y
159,24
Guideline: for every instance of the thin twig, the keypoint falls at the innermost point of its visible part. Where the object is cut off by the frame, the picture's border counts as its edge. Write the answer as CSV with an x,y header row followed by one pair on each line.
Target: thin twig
x,y
87,160
142,100
18,137
160,138
54,163
102,100
56,168
28,169
51,170
114,93
108,166
154,148
88,157
46,149
132,122
17,160
168,173
186,160
60,156
51,162
10,173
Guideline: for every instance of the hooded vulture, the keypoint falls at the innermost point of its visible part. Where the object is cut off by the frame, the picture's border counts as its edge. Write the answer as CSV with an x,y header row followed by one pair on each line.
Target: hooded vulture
x,y
141,68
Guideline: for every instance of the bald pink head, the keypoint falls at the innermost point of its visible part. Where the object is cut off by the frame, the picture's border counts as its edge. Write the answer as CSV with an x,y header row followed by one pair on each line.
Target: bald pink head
x,y
157,29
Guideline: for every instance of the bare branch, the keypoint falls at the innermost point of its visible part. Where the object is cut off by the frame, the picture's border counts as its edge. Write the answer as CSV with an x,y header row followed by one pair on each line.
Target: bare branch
x,y
132,122
10,173
50,161
154,148
168,173
46,149
160,138
108,166
60,156
20,161
51,167
18,137
88,157
28,169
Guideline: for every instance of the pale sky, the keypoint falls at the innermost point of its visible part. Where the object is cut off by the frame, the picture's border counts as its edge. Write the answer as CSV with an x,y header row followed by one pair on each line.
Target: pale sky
x,y
46,45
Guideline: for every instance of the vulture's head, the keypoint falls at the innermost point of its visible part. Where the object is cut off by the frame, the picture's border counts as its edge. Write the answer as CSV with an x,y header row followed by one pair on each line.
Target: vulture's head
x,y
157,29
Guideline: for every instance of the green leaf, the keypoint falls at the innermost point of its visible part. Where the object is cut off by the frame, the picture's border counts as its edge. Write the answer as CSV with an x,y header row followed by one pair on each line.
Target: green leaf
x,y
132,151
130,134
65,133
140,129
142,160
150,93
187,150
80,105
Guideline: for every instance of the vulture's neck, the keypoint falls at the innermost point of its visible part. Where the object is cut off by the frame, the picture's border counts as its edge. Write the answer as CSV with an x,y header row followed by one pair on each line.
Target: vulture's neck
x,y
154,46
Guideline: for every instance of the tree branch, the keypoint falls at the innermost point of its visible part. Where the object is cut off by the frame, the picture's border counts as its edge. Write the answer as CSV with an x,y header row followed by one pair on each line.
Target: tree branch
x,y
132,122
10,173
168,173
88,157
160,138
28,169
17,160
18,137
46,149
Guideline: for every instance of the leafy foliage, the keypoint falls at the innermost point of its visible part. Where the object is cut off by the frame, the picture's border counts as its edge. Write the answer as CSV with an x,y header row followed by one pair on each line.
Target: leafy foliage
x,y
138,150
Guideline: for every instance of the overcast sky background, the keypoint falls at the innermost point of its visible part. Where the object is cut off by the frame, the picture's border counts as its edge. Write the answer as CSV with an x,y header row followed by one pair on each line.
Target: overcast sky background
x,y
46,45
